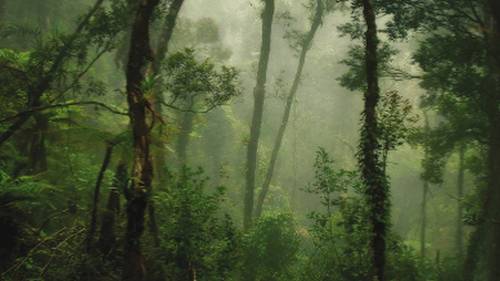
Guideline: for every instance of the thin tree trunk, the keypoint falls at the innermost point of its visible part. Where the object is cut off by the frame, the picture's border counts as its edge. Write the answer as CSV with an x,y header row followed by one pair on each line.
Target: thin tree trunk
x,y
258,110
423,226
460,194
423,211
306,46
97,195
371,170
142,169
107,238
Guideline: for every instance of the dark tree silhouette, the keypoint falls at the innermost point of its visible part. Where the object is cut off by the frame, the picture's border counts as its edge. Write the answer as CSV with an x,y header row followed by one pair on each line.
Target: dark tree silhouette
x,y
370,164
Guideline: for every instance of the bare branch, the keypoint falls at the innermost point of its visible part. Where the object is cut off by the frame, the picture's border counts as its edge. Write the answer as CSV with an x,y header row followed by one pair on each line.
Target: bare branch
x,y
52,106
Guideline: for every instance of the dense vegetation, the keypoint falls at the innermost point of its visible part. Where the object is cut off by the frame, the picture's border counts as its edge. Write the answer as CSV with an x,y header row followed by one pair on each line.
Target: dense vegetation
x,y
253,140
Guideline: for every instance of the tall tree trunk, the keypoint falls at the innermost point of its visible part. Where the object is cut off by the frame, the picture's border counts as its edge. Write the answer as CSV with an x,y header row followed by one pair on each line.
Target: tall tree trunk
x,y
493,197
459,240
492,216
306,46
142,168
97,195
258,110
370,164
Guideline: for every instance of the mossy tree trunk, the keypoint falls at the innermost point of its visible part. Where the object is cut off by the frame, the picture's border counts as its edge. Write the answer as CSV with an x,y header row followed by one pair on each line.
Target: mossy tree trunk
x,y
142,169
370,164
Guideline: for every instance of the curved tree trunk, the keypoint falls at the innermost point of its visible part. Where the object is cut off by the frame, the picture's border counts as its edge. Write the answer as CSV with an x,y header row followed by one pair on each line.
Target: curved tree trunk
x,y
318,16
142,168
371,166
258,110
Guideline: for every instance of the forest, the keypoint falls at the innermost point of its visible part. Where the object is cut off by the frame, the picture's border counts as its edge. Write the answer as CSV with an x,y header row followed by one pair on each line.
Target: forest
x,y
249,140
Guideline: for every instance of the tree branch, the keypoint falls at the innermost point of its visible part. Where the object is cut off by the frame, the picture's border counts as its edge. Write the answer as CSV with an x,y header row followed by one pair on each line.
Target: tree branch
x,y
52,106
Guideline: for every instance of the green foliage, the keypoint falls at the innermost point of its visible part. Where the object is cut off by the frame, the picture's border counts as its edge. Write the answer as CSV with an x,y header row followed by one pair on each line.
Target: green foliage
x,y
331,185
396,120
340,234
270,248
198,86
12,81
195,238
355,78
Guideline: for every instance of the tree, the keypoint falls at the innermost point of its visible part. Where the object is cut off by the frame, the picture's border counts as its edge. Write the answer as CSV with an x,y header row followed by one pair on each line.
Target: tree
x,y
142,167
258,110
195,87
369,155
305,43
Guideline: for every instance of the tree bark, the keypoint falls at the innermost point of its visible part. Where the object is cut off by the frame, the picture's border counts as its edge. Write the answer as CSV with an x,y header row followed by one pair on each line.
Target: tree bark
x,y
371,166
258,110
306,46
142,169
